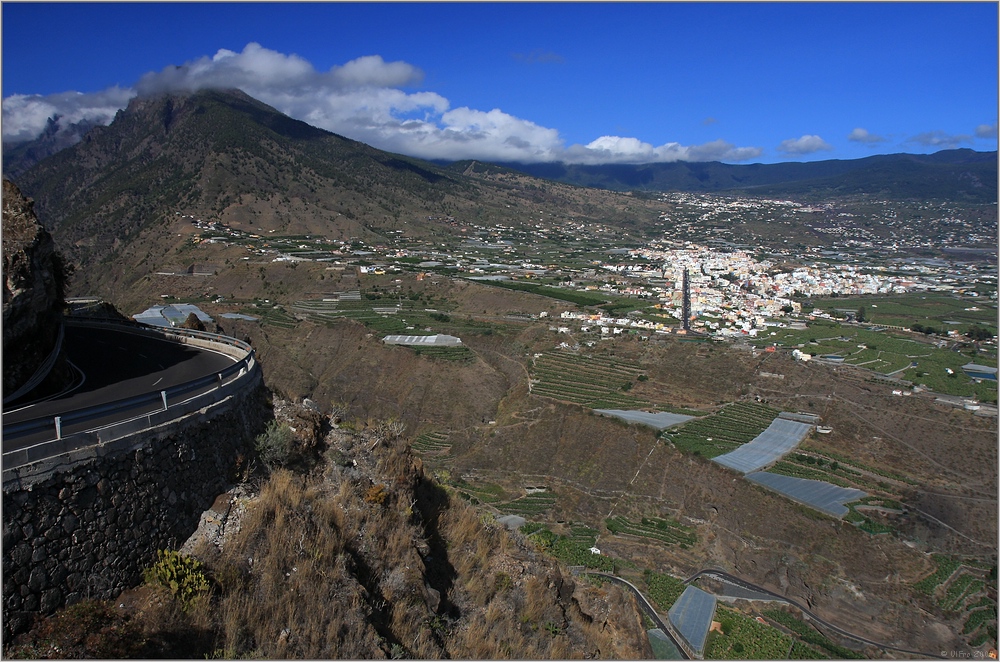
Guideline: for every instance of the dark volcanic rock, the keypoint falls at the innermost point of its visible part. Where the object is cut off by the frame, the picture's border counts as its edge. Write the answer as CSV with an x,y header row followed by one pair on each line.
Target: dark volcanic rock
x,y
34,281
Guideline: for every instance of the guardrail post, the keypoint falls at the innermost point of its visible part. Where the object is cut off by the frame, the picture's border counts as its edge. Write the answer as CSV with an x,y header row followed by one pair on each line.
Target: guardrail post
x,y
163,394
58,427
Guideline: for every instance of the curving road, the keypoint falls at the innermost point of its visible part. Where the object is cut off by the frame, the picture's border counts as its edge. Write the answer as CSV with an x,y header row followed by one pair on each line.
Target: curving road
x,y
114,365
646,607
743,584
747,586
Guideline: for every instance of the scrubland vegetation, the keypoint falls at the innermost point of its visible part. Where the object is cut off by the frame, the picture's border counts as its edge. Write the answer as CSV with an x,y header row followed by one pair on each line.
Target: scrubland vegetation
x,y
361,556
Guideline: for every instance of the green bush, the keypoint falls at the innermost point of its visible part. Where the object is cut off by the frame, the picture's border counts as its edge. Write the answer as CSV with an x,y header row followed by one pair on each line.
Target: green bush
x,y
182,575
274,445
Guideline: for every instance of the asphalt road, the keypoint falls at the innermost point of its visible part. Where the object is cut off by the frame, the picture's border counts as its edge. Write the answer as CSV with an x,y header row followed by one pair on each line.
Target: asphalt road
x,y
115,365
762,592
742,583
646,606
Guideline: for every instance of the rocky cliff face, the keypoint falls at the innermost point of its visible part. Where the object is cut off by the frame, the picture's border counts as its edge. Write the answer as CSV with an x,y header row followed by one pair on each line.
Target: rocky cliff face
x,y
34,281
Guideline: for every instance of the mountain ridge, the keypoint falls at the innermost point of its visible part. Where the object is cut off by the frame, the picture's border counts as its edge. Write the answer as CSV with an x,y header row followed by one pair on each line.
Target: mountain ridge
x,y
960,174
115,198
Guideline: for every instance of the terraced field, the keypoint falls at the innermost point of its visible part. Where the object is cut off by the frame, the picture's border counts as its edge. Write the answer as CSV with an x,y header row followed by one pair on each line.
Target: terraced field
x,y
809,643
479,492
273,316
530,505
723,431
900,354
388,317
959,589
744,638
668,531
885,487
595,382
432,442
663,589
399,316
459,354
573,549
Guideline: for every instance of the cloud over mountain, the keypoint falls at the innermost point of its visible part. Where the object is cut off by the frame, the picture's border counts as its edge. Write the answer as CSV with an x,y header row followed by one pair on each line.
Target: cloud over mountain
x,y
987,131
940,139
860,135
807,144
25,116
366,99
616,149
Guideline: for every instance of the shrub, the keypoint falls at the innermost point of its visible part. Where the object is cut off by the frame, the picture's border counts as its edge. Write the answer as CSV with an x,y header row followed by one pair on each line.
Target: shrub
x,y
182,575
274,445
88,629
376,494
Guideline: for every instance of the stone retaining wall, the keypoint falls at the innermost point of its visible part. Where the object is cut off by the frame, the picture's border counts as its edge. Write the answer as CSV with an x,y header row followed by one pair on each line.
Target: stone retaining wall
x,y
89,529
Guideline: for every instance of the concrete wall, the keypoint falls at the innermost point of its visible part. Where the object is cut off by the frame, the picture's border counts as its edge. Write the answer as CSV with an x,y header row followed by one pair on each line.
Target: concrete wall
x,y
86,525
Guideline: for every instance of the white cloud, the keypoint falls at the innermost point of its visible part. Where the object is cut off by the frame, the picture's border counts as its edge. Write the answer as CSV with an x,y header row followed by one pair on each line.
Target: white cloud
x,y
259,70
365,100
25,115
720,150
987,131
616,149
860,135
807,144
939,139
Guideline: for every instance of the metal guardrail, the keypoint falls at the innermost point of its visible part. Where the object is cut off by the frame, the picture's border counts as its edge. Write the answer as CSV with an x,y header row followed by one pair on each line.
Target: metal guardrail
x,y
169,401
43,370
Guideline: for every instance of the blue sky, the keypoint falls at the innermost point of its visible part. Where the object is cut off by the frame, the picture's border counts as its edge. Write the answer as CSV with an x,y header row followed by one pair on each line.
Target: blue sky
x,y
580,82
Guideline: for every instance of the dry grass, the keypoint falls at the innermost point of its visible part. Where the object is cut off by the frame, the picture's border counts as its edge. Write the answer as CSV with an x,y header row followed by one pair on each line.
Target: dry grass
x,y
371,560
378,561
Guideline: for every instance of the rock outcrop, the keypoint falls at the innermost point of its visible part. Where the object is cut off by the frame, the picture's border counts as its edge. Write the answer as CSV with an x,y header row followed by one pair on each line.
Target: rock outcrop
x,y
34,283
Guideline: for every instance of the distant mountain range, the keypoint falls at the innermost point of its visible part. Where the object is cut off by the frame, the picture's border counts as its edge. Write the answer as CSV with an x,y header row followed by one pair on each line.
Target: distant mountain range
x,y
226,156
958,174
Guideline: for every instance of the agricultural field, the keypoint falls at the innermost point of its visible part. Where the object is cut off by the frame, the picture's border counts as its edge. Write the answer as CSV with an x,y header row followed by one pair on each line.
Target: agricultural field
x,y
743,638
884,487
530,505
959,589
460,354
933,309
431,443
724,431
818,466
594,382
573,549
809,643
388,315
662,589
901,355
479,492
274,316
668,531
581,298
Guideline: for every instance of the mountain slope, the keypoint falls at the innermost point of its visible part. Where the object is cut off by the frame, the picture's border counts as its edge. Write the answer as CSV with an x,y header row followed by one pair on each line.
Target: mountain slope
x,y
223,156
961,174
57,136
212,152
